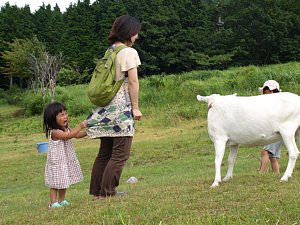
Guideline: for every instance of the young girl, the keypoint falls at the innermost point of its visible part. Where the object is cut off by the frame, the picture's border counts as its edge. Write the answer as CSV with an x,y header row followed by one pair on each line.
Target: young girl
x,y
62,166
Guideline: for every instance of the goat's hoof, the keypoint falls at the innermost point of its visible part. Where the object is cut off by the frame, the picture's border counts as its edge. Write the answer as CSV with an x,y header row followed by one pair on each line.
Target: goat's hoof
x,y
227,178
214,185
284,179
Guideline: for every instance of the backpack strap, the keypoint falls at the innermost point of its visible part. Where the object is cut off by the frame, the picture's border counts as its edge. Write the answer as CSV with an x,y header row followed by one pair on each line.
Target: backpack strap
x,y
119,48
113,49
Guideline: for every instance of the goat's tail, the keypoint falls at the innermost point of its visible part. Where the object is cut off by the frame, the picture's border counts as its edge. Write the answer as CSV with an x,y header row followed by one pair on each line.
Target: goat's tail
x,y
211,98
202,98
207,99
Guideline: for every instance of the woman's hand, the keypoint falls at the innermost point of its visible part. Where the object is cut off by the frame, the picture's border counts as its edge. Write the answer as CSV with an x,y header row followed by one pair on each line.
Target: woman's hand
x,y
137,115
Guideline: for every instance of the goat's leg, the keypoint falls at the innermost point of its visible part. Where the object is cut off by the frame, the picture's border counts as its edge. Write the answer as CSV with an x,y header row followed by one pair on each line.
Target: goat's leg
x,y
219,154
291,146
231,161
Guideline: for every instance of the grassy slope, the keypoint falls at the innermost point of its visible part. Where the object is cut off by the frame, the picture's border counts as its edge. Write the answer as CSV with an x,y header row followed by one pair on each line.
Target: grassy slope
x,y
175,167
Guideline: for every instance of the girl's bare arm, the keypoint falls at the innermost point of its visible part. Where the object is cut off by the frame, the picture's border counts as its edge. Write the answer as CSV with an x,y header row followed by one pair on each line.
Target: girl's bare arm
x,y
59,134
81,134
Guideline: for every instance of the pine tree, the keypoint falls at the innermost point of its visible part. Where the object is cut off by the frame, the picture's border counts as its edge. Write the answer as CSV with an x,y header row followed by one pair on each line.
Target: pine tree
x,y
80,41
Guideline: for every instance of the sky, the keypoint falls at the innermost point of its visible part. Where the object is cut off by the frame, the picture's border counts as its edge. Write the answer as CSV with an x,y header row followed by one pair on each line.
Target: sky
x,y
35,4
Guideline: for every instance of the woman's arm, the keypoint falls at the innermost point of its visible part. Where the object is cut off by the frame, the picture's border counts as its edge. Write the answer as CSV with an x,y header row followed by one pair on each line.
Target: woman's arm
x,y
134,93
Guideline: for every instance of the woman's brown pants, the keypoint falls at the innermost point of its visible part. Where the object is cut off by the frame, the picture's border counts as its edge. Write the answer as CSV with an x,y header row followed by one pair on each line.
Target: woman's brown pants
x,y
108,165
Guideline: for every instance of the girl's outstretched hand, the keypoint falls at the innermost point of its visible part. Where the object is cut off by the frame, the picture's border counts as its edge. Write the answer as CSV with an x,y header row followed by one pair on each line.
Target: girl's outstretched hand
x,y
83,124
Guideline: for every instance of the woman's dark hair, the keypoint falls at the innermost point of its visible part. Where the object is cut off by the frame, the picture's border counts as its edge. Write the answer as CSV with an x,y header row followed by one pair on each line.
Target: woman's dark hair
x,y
50,113
123,29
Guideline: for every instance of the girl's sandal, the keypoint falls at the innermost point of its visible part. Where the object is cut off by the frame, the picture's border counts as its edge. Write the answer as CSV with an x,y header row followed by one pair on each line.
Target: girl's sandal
x,y
64,203
54,205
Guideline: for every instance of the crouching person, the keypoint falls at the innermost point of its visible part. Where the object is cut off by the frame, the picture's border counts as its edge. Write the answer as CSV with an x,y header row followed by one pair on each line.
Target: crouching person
x,y
270,152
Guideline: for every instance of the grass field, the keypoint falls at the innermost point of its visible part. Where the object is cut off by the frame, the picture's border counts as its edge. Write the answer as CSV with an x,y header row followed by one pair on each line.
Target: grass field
x,y
175,168
172,157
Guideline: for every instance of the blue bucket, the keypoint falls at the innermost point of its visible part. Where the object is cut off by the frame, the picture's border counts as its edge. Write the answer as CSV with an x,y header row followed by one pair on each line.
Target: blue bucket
x,y
42,147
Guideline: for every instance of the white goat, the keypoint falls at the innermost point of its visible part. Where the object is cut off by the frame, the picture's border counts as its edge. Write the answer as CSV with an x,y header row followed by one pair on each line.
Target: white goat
x,y
252,121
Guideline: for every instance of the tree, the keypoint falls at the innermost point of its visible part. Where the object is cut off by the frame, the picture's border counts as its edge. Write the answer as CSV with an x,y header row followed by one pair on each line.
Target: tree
x,y
158,38
49,27
46,69
80,42
171,32
176,36
16,59
106,12
15,23
264,30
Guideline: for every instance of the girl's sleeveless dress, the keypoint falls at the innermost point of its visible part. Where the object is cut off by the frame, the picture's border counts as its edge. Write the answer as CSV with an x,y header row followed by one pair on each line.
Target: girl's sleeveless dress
x,y
62,166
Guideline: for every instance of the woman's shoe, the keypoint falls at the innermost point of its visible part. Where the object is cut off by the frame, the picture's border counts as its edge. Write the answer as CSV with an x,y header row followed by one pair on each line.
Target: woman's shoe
x,y
120,193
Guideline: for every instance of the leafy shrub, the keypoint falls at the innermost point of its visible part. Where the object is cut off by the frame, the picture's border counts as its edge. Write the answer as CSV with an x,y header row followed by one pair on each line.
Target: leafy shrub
x,y
213,86
191,88
169,97
75,98
69,76
12,96
188,112
202,74
76,108
156,81
34,103
62,94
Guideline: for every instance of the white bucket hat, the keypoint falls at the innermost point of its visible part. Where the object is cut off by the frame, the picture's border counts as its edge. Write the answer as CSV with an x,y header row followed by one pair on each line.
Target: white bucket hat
x,y
271,84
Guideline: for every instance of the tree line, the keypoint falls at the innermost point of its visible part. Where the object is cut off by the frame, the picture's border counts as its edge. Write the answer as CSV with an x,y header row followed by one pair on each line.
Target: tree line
x,y
176,36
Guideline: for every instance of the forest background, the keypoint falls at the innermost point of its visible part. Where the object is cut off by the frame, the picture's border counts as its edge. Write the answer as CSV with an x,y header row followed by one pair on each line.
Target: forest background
x,y
177,36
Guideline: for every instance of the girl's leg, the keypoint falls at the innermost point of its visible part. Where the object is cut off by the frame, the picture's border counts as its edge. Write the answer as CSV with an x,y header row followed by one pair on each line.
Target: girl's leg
x,y
274,164
61,194
100,163
53,195
264,161
111,176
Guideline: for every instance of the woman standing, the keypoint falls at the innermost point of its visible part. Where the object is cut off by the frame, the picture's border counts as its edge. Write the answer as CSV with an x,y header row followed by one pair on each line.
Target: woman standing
x,y
114,124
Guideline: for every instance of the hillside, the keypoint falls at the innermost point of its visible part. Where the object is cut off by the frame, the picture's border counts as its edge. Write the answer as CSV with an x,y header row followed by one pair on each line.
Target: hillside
x,y
172,157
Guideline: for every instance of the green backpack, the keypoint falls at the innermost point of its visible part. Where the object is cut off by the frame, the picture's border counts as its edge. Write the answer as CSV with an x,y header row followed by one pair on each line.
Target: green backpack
x,y
103,87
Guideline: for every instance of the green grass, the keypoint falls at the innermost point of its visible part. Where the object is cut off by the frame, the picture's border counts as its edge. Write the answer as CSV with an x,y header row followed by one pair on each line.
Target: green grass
x,y
172,157
175,168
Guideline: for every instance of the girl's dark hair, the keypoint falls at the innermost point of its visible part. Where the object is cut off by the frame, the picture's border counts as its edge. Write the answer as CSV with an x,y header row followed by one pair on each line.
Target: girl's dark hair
x,y
123,29
50,113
